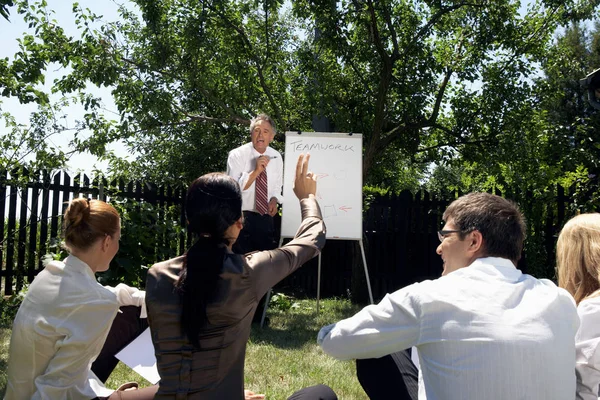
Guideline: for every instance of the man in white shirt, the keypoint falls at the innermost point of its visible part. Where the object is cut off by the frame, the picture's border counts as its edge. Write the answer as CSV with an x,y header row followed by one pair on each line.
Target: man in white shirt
x,y
250,164
258,169
483,330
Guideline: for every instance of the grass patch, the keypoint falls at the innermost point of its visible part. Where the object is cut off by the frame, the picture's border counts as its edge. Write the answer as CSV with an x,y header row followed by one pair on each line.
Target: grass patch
x,y
4,342
280,359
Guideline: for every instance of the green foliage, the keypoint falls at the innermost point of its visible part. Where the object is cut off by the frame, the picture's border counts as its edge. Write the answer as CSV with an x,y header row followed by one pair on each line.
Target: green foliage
x,y
4,4
29,145
369,194
466,96
9,305
282,302
423,81
548,137
148,234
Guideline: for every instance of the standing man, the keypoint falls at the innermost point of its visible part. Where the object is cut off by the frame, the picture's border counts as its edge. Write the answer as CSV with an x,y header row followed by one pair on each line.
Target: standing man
x,y
259,170
483,330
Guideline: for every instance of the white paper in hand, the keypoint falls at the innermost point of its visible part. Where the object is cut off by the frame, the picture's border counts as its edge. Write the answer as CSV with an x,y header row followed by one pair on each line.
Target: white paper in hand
x,y
139,356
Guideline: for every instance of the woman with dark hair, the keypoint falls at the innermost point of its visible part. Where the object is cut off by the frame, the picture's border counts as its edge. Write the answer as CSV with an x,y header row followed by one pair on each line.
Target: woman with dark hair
x,y
65,334
201,304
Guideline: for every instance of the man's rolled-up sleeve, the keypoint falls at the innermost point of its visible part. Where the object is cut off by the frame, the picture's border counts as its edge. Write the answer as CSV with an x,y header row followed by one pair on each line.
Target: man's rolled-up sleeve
x,y
235,169
376,330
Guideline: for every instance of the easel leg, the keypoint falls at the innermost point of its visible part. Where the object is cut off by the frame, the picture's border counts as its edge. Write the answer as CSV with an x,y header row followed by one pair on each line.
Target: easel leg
x,y
264,314
364,258
268,298
319,283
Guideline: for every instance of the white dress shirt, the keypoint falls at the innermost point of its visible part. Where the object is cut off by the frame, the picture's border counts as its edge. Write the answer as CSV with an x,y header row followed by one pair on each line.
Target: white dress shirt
x,y
486,331
240,164
587,344
59,331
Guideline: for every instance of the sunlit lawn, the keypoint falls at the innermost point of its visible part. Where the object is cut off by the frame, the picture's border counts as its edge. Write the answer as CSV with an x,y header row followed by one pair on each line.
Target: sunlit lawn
x,y
281,358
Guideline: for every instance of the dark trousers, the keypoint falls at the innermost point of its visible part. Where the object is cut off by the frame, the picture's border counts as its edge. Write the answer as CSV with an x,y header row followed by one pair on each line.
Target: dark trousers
x,y
394,376
126,326
318,392
258,234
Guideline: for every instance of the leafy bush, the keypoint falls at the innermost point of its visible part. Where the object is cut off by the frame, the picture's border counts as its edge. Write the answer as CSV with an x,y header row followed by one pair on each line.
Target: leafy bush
x,y
9,306
370,193
282,302
148,234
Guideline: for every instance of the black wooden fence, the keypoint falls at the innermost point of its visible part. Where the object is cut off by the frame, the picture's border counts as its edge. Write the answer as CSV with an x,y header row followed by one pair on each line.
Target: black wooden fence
x,y
32,205
399,232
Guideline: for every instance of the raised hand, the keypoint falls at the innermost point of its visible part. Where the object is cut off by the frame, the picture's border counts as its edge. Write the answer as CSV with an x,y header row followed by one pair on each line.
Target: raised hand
x,y
305,183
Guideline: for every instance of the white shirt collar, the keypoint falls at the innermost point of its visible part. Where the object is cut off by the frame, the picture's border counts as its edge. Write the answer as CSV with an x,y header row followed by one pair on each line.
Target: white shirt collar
x,y
76,265
256,153
497,267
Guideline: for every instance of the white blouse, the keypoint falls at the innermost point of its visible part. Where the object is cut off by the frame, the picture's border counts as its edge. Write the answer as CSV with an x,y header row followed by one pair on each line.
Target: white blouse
x,y
59,331
587,341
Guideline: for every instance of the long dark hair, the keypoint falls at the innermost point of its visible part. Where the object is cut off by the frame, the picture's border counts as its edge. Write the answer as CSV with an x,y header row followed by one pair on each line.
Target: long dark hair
x,y
213,204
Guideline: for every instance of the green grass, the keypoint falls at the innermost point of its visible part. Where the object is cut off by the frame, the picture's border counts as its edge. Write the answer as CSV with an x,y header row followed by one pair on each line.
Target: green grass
x,y
4,342
280,358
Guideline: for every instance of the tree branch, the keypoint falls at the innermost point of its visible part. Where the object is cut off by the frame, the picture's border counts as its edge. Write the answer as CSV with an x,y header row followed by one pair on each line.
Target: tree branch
x,y
375,32
440,97
454,144
141,66
388,20
191,119
252,55
432,21
388,137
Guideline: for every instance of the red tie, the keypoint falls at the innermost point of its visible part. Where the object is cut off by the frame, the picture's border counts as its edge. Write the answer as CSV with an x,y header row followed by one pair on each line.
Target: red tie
x,y
260,193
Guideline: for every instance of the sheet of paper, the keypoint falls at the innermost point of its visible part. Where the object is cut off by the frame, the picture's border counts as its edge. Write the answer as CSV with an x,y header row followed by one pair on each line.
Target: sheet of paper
x,y
139,356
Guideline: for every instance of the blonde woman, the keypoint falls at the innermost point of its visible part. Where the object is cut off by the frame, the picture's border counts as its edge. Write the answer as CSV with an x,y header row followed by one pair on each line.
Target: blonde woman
x,y
67,319
578,264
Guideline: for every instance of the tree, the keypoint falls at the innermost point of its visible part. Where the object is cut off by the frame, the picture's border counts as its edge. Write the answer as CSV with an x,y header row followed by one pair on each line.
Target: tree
x,y
401,72
550,139
423,81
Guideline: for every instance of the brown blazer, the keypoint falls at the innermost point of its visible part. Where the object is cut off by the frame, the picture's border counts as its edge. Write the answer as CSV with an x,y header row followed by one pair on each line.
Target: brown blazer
x,y
217,370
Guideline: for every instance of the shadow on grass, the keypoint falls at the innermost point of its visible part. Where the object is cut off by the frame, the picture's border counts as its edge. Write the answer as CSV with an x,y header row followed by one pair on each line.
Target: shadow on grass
x,y
3,368
294,329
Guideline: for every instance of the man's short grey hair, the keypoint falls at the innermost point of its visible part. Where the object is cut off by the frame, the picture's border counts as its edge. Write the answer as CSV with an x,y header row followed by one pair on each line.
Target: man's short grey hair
x,y
262,117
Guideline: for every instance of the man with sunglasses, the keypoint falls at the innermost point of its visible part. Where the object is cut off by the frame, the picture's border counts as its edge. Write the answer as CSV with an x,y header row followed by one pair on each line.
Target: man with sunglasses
x,y
483,330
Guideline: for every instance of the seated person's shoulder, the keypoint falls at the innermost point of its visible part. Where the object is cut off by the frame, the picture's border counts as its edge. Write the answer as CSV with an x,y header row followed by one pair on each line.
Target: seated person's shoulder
x,y
170,267
546,285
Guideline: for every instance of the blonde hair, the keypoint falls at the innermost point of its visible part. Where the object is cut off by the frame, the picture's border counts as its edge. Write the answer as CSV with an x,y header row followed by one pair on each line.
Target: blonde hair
x,y
85,221
578,256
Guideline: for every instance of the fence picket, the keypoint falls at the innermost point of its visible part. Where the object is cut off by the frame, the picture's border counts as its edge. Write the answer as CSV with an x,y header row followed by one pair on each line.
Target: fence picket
x,y
399,230
3,180
10,234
